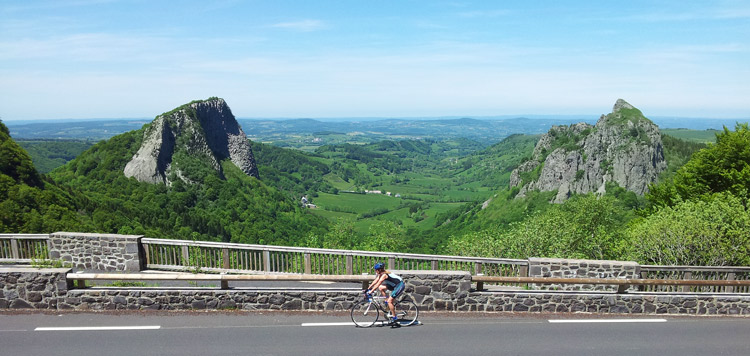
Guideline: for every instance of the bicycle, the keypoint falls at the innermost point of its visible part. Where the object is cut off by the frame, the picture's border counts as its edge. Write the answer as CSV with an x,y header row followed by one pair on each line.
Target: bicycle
x,y
365,313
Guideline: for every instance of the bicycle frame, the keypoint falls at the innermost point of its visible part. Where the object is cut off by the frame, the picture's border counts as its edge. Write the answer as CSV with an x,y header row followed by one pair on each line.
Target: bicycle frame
x,y
379,302
365,313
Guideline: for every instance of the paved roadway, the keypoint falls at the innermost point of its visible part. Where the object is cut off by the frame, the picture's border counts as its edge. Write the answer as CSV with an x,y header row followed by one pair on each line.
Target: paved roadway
x,y
277,333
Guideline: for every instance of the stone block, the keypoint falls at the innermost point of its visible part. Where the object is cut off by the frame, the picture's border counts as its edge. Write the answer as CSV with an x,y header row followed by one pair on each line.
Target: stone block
x,y
423,290
20,304
292,305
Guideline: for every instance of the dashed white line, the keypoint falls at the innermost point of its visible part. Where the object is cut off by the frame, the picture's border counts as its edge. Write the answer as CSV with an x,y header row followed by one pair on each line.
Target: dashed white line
x,y
98,328
563,321
328,324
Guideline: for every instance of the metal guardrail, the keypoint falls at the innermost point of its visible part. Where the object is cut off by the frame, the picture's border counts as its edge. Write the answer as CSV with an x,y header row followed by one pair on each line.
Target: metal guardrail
x,y
181,255
213,256
224,279
702,273
623,284
23,247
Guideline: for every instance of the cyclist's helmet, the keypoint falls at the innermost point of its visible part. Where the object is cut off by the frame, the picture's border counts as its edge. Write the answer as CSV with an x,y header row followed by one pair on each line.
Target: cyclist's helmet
x,y
378,266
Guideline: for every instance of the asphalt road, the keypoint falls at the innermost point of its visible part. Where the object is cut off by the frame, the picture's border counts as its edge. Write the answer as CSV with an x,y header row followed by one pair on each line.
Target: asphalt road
x,y
277,333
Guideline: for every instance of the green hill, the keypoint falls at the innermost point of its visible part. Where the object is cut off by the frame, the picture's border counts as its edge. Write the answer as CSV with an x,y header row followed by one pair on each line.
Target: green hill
x,y
28,202
49,154
214,204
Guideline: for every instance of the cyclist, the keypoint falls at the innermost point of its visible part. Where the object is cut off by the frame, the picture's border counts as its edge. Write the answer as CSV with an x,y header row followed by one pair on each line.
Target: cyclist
x,y
390,281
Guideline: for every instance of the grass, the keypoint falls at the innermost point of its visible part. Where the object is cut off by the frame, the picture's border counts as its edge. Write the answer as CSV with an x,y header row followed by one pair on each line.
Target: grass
x,y
702,136
356,203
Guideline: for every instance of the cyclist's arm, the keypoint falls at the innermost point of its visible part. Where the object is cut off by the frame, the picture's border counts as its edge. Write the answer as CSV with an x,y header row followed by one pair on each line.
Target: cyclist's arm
x,y
376,283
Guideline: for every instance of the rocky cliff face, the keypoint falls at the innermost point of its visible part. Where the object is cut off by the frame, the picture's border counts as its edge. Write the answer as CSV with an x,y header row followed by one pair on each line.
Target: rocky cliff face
x,y
623,147
205,130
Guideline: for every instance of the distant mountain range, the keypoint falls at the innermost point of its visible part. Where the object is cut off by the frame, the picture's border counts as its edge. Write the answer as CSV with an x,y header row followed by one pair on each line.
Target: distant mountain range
x,y
486,130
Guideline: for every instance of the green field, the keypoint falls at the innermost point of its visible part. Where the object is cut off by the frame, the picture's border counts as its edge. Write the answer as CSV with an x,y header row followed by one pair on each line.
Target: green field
x,y
702,136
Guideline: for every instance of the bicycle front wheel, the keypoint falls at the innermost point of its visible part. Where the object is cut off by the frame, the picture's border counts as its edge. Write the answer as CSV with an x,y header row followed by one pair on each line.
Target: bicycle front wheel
x,y
365,314
407,312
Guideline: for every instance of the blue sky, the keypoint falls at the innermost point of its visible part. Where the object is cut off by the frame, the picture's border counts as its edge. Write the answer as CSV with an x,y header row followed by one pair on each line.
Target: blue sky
x,y
139,58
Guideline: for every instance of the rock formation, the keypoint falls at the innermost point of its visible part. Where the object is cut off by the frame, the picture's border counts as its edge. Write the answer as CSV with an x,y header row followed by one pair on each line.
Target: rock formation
x,y
623,147
206,130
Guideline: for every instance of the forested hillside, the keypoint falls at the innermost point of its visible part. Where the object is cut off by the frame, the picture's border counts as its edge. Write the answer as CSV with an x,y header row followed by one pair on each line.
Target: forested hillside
x,y
697,216
224,205
50,154
29,203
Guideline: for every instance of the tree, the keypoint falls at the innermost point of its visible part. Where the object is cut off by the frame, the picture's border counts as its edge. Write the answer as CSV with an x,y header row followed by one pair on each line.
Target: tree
x,y
723,166
340,236
385,236
713,231
584,227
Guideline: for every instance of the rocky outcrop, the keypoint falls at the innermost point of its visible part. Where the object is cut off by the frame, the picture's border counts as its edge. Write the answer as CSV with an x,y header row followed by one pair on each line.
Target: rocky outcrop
x,y
205,130
623,147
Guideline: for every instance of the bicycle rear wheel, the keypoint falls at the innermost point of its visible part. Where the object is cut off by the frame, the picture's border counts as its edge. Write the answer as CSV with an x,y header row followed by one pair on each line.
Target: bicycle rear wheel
x,y
365,314
407,312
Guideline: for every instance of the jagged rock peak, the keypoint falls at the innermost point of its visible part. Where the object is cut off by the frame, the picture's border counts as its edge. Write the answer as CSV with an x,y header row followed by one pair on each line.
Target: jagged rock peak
x,y
621,104
623,148
205,130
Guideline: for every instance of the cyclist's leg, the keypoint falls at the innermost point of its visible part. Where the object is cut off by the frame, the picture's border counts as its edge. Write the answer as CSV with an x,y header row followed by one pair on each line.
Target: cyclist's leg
x,y
391,307
397,290
383,288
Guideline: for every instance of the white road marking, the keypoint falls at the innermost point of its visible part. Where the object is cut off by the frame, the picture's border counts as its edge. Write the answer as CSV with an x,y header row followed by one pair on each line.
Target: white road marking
x,y
561,321
328,324
318,282
98,328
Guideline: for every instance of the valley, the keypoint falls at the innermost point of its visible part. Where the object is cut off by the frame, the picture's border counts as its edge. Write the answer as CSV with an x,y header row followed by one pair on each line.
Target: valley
x,y
428,191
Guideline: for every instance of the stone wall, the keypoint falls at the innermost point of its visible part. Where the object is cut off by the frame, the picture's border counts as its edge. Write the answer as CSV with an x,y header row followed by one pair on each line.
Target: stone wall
x,y
568,268
571,302
433,291
436,290
98,252
24,288
215,299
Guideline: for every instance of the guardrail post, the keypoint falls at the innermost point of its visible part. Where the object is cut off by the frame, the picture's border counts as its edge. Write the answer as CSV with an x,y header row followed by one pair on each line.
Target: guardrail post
x,y
308,263
478,268
645,288
224,282
349,264
730,277
49,248
185,255
365,284
267,260
225,258
523,271
435,265
688,275
147,252
14,249
480,285
392,262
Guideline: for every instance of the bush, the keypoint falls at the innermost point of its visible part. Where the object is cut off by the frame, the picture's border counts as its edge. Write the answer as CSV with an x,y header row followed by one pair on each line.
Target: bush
x,y
713,232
